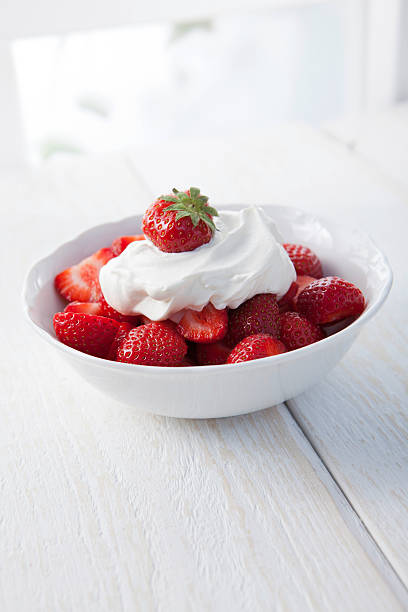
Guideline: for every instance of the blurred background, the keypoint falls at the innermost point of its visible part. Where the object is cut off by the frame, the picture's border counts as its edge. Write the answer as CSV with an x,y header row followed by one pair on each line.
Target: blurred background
x,y
90,77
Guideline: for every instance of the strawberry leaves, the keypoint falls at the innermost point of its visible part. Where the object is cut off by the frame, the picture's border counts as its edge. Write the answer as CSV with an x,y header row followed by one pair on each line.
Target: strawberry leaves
x,y
192,204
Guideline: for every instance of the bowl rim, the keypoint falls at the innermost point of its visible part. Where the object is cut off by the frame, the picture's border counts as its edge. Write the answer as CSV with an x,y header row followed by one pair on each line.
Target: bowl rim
x,y
265,362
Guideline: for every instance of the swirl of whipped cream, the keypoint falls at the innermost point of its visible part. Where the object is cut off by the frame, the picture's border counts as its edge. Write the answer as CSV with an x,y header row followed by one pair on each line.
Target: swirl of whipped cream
x,y
245,257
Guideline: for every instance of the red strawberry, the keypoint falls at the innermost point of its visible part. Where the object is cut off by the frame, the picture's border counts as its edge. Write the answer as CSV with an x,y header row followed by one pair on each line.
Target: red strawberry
x,y
120,244
101,309
206,326
81,282
145,320
330,299
256,347
181,222
86,332
288,301
259,315
154,344
212,354
108,311
123,330
285,302
302,282
92,308
305,261
296,331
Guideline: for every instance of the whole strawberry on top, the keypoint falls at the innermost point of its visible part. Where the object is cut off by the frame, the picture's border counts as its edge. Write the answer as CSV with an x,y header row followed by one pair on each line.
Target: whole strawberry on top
x,y
180,222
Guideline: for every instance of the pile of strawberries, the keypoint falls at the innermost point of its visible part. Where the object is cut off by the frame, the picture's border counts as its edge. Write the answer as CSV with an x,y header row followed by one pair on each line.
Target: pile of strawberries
x,y
313,307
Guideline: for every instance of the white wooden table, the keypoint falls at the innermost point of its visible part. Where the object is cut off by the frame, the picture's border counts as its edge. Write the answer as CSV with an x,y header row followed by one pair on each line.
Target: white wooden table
x,y
303,506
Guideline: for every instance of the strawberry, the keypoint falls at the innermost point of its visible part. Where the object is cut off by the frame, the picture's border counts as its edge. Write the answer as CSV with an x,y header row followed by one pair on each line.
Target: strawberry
x,y
109,311
285,302
92,308
212,354
81,282
120,244
288,301
122,332
180,222
304,259
256,347
330,299
296,331
206,326
302,282
258,315
145,320
86,332
101,309
155,344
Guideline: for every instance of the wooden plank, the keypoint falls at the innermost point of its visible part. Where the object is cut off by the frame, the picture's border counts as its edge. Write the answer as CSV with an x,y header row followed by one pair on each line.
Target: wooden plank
x,y
110,510
103,509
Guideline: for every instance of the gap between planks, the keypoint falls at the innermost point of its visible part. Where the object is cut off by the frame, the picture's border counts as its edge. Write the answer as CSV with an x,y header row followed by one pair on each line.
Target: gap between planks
x,y
353,520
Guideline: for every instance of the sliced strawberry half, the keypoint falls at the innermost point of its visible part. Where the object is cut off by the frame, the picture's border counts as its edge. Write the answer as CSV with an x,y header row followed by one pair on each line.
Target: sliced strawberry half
x,y
145,321
101,309
206,326
288,301
92,308
108,311
86,332
120,244
302,282
81,282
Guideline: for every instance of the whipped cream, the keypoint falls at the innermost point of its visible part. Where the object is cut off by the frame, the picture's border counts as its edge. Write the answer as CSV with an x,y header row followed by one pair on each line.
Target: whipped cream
x,y
244,258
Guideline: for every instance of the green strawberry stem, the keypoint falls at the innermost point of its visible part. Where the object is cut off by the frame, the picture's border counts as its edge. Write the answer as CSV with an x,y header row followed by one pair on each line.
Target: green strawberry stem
x,y
194,206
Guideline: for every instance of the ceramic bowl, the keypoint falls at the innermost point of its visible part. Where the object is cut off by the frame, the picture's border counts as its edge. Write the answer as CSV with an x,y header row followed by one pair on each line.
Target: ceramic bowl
x,y
223,390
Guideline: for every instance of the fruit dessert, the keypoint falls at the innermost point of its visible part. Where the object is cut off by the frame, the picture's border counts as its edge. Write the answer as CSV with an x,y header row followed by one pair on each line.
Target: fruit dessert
x,y
200,287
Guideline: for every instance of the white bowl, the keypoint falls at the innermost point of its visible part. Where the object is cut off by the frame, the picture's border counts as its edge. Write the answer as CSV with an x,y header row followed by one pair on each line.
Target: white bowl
x,y
223,390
